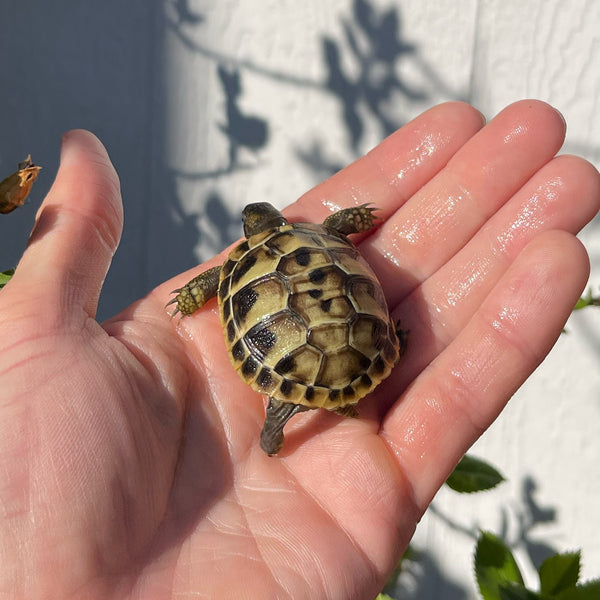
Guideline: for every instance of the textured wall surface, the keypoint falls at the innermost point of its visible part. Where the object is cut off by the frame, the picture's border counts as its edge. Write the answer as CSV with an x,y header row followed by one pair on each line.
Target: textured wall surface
x,y
205,105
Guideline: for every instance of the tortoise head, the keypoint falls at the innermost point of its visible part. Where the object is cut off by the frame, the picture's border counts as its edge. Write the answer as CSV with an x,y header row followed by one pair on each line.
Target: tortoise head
x,y
261,216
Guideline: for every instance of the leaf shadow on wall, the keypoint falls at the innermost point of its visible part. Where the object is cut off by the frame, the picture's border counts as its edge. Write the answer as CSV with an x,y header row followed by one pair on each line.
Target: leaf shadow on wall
x,y
373,43
362,74
213,222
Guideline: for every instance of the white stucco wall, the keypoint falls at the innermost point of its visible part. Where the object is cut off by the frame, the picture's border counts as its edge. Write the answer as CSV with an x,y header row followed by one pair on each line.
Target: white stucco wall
x,y
169,85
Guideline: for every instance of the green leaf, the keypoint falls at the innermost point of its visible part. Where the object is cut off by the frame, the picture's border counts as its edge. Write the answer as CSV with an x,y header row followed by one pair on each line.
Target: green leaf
x,y
590,590
5,277
516,591
584,300
494,566
560,572
473,475
587,300
393,578
384,597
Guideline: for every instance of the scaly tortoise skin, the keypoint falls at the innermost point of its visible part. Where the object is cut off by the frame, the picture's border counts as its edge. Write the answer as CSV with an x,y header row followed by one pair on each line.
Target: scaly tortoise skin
x,y
304,316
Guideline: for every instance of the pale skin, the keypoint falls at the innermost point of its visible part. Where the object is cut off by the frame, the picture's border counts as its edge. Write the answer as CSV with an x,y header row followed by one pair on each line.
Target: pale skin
x,y
101,494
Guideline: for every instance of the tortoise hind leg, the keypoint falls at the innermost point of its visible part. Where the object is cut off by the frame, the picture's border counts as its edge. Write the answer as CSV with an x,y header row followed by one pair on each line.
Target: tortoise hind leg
x,y
278,414
351,220
197,292
347,411
402,338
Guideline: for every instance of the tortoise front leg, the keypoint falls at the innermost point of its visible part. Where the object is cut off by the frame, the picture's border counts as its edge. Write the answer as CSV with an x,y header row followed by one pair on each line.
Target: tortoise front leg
x,y
351,220
197,292
278,414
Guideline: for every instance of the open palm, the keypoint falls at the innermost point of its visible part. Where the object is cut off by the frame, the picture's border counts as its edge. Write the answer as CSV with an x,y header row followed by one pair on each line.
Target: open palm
x,y
129,450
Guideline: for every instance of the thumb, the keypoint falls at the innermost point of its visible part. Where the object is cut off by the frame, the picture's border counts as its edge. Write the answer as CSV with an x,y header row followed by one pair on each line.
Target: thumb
x,y
76,232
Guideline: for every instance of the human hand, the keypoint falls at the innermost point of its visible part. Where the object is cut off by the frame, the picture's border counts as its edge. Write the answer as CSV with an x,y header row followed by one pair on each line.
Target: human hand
x,y
129,450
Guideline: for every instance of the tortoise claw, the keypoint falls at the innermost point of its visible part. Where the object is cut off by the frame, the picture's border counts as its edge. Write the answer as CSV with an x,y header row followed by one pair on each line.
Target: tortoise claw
x,y
173,301
355,219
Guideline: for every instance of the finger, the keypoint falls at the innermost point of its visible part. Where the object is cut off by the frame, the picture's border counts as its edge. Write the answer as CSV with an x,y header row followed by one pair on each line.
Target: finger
x,y
464,389
446,212
565,194
395,169
77,230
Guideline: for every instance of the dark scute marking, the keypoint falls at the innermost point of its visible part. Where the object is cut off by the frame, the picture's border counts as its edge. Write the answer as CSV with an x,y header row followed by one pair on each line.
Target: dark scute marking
x,y
316,275
364,362
326,305
228,266
315,293
348,391
309,394
334,394
318,240
286,387
285,365
230,331
238,351
262,338
224,288
366,381
264,378
272,242
302,257
243,247
379,365
243,267
249,367
364,283
244,301
226,311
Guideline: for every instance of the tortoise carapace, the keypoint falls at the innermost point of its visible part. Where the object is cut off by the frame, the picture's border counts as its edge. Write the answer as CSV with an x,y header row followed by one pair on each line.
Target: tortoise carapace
x,y
304,316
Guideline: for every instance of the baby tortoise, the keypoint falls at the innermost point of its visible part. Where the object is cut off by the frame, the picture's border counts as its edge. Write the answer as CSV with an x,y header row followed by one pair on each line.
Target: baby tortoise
x,y
304,316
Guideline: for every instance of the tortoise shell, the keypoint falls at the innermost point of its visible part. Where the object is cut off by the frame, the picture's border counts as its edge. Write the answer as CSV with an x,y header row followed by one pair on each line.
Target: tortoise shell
x,y
305,318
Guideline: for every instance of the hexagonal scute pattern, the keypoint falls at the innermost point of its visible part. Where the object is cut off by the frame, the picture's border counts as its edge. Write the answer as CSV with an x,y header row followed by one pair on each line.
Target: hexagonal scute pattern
x,y
305,318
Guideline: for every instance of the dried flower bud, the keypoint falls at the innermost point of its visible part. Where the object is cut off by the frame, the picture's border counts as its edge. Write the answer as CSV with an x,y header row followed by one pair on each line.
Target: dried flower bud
x,y
16,187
